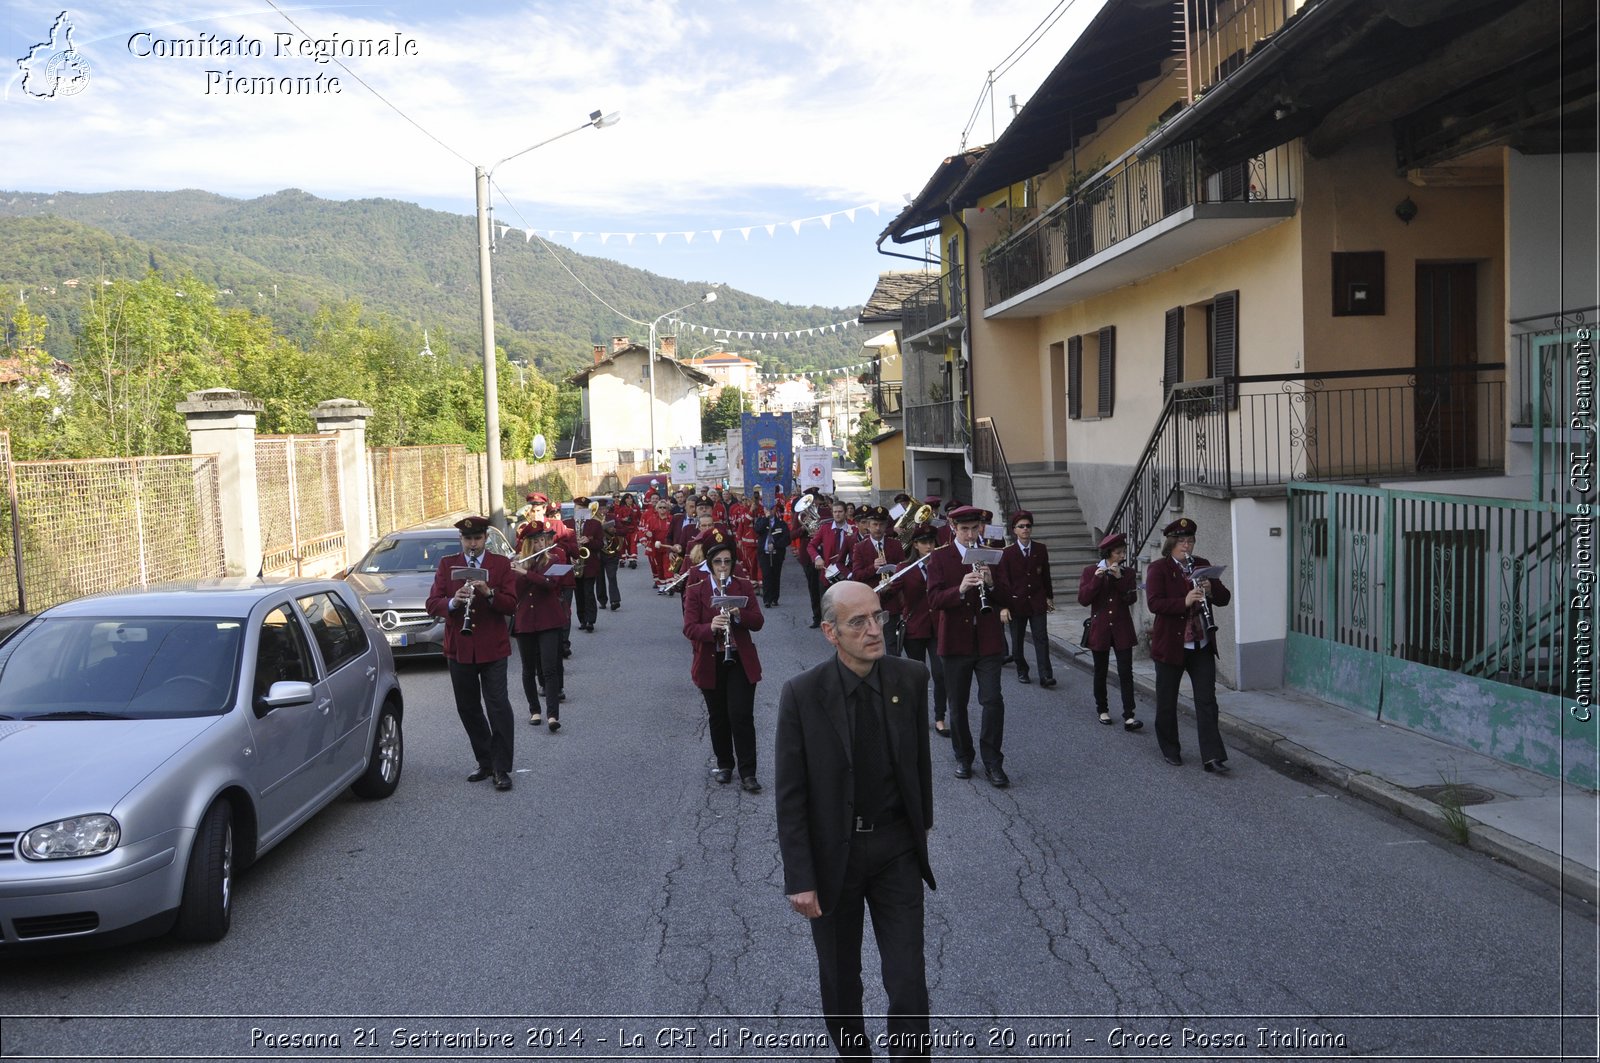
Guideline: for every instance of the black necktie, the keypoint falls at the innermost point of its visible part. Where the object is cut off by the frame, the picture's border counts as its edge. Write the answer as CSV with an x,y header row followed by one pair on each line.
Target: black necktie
x,y
871,757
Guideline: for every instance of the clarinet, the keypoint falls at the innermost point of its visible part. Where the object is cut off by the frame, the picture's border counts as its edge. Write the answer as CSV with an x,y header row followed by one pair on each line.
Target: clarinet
x,y
1206,619
727,634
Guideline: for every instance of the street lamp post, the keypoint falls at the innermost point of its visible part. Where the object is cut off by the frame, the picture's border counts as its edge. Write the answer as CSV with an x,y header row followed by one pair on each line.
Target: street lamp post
x,y
709,297
491,384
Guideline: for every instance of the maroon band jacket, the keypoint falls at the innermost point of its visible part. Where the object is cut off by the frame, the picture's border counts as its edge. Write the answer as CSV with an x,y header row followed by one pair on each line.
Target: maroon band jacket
x,y
697,617
539,604
1108,601
490,639
963,630
1165,588
1028,578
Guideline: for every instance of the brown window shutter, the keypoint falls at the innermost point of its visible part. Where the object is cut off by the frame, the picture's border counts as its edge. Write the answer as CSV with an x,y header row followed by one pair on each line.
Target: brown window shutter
x,y
1108,369
1075,378
1225,342
1172,356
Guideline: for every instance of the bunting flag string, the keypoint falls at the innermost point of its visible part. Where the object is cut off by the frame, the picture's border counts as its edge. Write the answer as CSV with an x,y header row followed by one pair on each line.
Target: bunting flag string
x,y
758,334
770,228
842,370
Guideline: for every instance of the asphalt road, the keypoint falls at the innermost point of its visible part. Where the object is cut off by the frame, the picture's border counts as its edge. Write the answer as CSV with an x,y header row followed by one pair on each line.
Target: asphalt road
x,y
1104,892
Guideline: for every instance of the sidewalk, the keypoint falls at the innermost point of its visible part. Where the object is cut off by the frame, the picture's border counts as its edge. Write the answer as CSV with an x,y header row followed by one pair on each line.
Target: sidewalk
x,y
1518,821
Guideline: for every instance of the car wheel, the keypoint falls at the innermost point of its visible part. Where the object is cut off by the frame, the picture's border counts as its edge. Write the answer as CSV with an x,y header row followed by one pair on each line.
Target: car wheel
x,y
387,757
207,906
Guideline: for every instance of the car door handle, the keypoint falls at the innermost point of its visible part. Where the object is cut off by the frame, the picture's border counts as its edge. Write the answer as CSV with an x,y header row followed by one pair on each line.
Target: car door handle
x,y
372,671
325,704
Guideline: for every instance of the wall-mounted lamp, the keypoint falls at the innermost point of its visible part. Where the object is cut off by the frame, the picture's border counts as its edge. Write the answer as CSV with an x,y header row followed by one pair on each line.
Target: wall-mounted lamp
x,y
1405,210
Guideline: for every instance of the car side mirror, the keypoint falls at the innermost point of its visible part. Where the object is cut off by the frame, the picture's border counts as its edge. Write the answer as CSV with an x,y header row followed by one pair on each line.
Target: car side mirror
x,y
283,693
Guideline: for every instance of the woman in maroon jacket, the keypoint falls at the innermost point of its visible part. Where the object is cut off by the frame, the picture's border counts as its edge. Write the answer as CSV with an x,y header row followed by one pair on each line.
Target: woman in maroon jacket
x,y
1108,589
1184,639
540,620
919,620
727,678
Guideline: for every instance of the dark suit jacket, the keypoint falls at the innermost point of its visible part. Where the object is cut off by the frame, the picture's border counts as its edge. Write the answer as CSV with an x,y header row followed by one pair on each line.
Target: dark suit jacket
x,y
815,787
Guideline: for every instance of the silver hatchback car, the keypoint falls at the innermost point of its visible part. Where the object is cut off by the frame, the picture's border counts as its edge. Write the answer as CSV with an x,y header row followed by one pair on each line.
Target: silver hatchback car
x,y
153,743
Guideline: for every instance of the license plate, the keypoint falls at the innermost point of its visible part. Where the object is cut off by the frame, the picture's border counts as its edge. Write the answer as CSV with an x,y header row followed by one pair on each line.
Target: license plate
x,y
398,639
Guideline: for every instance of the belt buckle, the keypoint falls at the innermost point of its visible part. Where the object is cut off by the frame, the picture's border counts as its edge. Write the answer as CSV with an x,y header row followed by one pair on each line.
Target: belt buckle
x,y
862,826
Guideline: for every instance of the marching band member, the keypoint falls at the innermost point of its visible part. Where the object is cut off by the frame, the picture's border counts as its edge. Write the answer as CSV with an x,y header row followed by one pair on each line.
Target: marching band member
x,y
802,553
659,528
1027,570
726,666
773,534
608,555
568,539
920,624
742,521
967,600
627,517
476,654
1183,639
541,616
1108,589
586,563
867,561
831,545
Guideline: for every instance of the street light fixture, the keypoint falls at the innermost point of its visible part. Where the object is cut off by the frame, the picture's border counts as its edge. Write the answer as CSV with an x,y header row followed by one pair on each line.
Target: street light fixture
x,y
709,297
491,385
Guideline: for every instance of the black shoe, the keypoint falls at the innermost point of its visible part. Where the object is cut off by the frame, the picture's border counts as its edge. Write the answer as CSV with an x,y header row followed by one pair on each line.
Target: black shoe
x,y
1007,659
815,623
1048,681
535,718
502,781
750,784
963,771
724,776
1022,677
997,778
615,606
1174,759
1220,767
566,651
479,775
942,732
563,696
555,725
1130,724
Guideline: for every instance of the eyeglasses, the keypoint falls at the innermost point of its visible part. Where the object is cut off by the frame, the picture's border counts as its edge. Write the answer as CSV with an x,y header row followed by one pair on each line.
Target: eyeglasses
x,y
722,561
857,624
1024,524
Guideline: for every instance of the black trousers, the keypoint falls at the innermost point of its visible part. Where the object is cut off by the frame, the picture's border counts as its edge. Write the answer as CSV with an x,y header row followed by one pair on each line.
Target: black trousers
x,y
731,716
894,630
540,652
584,597
605,584
1102,663
1202,668
566,631
881,874
771,573
959,670
485,711
1041,644
923,650
813,588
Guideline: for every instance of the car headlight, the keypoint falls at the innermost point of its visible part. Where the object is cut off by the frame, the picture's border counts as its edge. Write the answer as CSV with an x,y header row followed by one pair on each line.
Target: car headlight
x,y
68,838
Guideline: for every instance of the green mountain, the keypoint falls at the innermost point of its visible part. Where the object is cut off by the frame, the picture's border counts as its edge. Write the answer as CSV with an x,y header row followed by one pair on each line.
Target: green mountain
x,y
286,254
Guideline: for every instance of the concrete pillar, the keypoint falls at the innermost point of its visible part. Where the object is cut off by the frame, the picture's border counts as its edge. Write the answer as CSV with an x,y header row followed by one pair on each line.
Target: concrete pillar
x,y
347,419
223,422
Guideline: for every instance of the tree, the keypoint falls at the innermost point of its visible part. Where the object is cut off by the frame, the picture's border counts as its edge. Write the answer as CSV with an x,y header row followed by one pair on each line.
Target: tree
x,y
859,448
720,416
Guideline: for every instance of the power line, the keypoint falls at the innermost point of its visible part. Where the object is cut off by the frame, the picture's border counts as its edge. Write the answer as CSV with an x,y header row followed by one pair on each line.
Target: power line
x,y
1012,58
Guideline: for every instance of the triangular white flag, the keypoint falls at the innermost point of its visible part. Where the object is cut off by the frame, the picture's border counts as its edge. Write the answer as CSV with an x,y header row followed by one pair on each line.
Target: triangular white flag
x,y
827,221
503,230
851,213
795,225
660,239
873,207
745,232
576,236
604,237
716,235
688,238
527,236
771,227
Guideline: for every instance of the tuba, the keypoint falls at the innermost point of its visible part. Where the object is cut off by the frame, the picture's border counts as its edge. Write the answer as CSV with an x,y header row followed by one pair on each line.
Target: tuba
x,y
913,516
805,511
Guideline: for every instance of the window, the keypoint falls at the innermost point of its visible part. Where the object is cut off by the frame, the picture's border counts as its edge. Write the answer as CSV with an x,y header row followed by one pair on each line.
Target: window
x,y
281,654
339,634
1108,368
1075,378
1222,346
1172,352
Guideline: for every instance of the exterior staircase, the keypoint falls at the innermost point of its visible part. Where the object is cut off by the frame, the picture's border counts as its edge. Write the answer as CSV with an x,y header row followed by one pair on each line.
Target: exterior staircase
x,y
1058,523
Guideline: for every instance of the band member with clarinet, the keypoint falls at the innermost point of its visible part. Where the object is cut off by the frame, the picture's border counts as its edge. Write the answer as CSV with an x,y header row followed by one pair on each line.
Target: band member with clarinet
x,y
586,563
477,646
726,666
1182,640
870,559
1027,568
921,633
967,598
1108,589
541,616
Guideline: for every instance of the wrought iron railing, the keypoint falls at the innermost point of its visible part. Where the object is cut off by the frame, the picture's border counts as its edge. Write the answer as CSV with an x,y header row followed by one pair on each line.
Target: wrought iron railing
x,y
1123,200
933,304
1243,432
886,399
933,425
989,459
1553,400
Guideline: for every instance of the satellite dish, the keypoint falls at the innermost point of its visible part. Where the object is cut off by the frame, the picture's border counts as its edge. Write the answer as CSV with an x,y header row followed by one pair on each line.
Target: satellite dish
x,y
540,447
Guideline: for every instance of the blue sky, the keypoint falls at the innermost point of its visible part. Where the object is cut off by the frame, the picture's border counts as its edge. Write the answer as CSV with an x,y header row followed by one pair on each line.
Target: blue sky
x,y
734,115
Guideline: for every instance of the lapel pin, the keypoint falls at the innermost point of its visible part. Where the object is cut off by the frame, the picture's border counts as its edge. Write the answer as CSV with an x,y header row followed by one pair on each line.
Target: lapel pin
x,y
895,699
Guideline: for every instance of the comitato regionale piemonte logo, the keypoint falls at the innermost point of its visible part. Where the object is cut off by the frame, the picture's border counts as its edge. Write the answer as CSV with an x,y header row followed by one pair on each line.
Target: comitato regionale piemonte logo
x,y
54,67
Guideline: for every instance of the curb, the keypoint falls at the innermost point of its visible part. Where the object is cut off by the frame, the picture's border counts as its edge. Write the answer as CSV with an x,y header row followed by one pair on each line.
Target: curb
x,y
1568,876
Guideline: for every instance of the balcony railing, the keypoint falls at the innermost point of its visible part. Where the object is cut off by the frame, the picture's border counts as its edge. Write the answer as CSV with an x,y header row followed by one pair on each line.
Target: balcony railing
x,y
1120,202
1253,432
932,304
886,399
935,425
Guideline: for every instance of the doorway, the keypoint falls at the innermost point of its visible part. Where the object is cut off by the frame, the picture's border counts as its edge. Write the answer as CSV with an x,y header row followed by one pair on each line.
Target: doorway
x,y
1446,402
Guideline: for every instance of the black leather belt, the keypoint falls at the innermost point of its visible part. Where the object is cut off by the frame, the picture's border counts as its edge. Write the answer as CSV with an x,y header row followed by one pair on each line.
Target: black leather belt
x,y
866,826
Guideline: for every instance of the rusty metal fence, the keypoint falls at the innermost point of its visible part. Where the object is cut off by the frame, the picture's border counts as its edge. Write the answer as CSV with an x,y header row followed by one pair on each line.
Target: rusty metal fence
x,y
414,484
104,524
298,489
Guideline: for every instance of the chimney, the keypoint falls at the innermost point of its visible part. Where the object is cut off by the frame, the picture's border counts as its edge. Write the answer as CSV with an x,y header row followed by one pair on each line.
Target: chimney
x,y
599,353
668,345
619,343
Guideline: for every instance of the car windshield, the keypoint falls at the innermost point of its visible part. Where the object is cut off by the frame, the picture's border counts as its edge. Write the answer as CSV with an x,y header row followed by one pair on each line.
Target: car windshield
x,y
410,554
120,668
